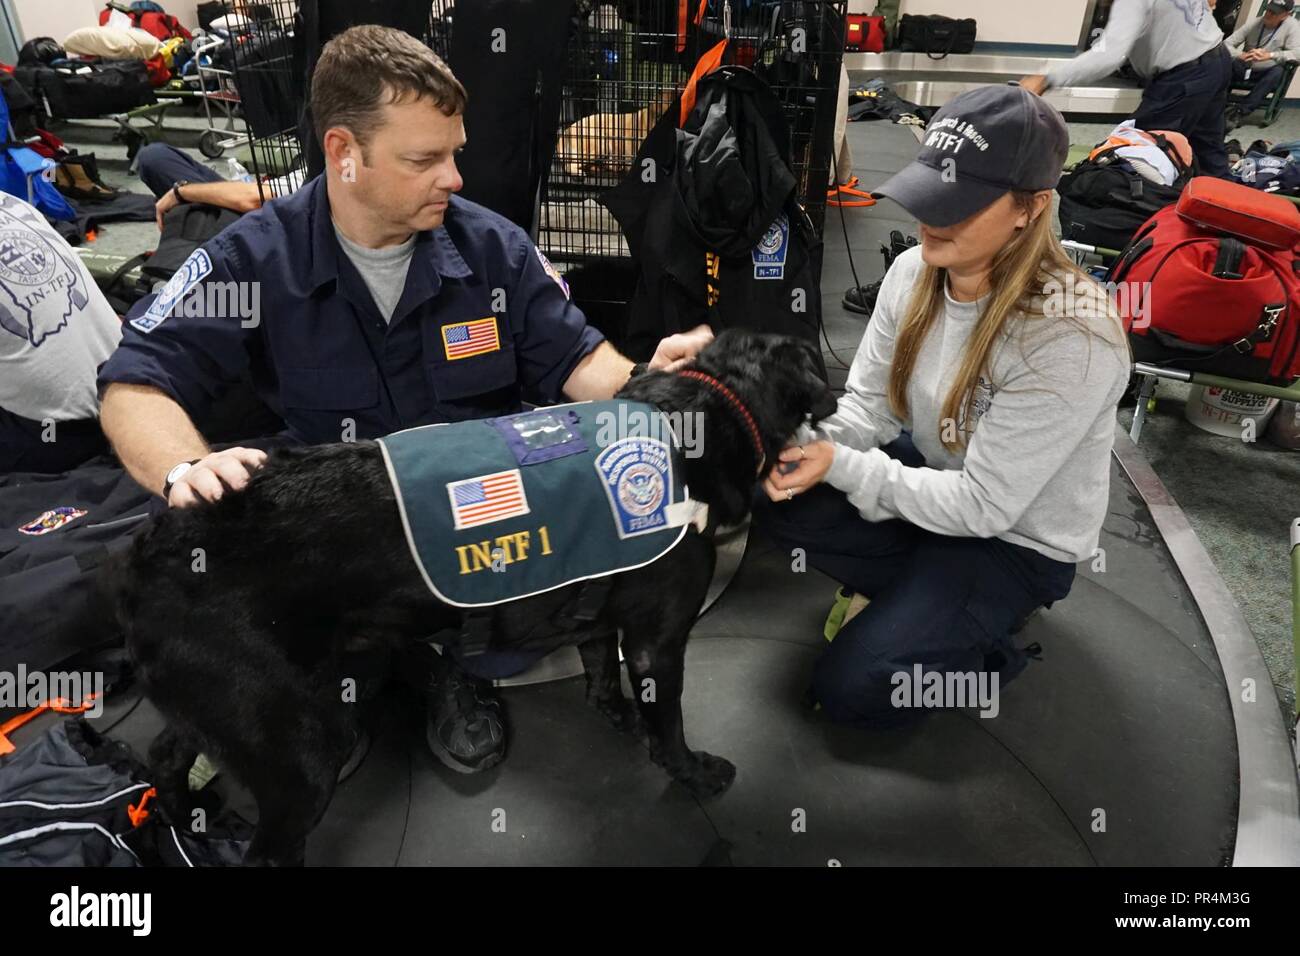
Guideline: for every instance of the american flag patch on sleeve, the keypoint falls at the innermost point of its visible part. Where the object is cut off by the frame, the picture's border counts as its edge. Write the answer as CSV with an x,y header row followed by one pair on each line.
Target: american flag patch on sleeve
x,y
488,498
464,339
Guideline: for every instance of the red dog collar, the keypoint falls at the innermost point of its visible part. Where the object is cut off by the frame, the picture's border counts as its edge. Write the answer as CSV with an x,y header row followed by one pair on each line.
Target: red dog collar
x,y
730,398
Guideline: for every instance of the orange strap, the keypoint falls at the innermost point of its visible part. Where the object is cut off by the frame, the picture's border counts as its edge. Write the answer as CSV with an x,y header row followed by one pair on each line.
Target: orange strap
x,y
1116,142
139,814
708,63
681,24
837,195
699,14
58,705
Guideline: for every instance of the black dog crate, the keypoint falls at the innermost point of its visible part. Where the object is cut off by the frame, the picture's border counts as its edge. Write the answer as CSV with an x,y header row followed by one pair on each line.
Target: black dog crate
x,y
263,55
627,62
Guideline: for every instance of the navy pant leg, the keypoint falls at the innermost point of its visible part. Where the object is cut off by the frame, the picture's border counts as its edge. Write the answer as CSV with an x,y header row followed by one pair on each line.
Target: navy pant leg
x,y
1191,100
162,166
1261,85
945,603
949,610
863,556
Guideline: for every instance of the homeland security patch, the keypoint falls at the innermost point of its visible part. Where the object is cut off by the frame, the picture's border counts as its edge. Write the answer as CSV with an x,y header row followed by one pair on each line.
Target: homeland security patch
x,y
52,520
190,274
40,288
638,478
770,253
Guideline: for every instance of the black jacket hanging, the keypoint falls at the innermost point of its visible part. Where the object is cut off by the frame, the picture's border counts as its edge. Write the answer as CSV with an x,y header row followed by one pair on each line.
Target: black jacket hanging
x,y
713,222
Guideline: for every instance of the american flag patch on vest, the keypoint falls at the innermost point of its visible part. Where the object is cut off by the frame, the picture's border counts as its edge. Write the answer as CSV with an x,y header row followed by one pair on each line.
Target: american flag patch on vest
x,y
488,498
470,338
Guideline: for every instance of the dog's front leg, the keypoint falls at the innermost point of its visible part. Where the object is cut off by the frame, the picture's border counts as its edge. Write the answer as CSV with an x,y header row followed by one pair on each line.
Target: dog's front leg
x,y
655,669
604,683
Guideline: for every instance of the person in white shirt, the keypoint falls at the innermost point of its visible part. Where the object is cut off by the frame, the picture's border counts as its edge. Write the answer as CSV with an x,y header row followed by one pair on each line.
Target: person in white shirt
x,y
1177,48
56,328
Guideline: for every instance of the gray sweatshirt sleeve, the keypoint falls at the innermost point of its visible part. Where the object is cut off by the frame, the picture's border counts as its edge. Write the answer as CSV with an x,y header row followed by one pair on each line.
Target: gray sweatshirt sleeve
x,y
1128,18
1237,42
864,419
1036,420
1289,50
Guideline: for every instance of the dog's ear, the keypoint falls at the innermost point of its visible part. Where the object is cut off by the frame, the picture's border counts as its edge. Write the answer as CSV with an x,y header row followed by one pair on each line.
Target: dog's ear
x,y
822,402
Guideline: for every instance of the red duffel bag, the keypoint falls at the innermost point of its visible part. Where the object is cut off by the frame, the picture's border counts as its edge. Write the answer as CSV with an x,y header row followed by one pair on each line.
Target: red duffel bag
x,y
1212,284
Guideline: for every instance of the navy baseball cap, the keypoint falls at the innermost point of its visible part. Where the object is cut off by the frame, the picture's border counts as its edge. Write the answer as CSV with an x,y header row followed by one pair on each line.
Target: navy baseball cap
x,y
1281,6
979,147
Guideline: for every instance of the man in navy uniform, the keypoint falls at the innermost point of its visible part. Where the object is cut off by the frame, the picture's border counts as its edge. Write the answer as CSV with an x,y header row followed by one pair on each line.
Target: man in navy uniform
x,y
371,300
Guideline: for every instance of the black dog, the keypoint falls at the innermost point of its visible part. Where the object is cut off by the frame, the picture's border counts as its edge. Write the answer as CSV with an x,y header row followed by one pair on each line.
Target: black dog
x,y
245,659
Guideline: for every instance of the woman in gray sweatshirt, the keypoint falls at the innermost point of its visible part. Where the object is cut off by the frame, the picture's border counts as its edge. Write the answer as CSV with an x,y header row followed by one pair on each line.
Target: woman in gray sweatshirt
x,y
1004,362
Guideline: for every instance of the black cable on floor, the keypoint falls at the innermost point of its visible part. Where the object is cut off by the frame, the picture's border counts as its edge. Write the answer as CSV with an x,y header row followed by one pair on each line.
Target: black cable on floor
x,y
844,226
129,711
410,772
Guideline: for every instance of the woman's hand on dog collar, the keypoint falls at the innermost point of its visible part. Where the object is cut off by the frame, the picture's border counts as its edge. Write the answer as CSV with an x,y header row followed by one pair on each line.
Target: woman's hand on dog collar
x,y
677,350
800,468
214,474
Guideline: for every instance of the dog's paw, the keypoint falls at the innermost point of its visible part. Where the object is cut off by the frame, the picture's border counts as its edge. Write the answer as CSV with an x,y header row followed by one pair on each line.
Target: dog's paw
x,y
707,775
622,714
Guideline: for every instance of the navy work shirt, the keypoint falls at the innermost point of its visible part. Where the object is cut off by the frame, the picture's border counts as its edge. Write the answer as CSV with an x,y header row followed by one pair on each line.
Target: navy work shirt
x,y
483,322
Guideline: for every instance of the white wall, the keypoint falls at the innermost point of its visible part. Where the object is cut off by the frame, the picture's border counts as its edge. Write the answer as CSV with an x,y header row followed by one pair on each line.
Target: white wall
x,y
55,18
1054,22
58,18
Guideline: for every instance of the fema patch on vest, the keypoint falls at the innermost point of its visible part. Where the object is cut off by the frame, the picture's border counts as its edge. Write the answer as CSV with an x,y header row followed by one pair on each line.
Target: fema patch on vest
x,y
770,253
638,477
500,509
191,273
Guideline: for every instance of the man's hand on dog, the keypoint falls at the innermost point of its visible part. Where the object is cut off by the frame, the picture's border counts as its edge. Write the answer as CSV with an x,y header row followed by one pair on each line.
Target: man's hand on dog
x,y
214,474
676,350
801,467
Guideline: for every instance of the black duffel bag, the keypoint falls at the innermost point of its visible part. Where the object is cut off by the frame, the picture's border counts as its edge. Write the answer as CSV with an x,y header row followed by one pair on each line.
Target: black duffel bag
x,y
935,36
1105,205
90,89
1104,200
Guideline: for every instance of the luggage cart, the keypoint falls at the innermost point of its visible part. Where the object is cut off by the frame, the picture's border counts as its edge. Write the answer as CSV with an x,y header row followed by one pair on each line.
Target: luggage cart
x,y
215,85
265,67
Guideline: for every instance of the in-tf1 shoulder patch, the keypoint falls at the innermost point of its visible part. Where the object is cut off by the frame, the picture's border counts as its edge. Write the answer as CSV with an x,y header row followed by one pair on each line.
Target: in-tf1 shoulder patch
x,y
500,509
52,520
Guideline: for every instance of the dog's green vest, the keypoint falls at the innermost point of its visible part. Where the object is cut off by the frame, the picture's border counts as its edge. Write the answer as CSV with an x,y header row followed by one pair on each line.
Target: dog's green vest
x,y
502,508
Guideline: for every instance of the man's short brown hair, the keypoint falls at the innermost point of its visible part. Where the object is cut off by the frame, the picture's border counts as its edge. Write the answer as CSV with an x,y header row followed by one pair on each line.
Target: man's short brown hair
x,y
367,67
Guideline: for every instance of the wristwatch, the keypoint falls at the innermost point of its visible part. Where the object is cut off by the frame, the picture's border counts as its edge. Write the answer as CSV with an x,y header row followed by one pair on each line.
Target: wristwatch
x,y
175,475
176,191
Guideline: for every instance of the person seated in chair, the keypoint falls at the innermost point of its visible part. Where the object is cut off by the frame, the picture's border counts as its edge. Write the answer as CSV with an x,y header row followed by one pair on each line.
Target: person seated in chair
x,y
56,328
1005,362
1259,51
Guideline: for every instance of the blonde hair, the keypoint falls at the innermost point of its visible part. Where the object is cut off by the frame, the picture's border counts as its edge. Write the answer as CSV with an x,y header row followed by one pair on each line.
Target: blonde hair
x,y
1022,271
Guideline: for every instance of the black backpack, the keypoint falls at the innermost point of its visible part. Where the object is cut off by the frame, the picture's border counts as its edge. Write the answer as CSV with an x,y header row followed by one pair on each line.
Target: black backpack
x,y
1104,200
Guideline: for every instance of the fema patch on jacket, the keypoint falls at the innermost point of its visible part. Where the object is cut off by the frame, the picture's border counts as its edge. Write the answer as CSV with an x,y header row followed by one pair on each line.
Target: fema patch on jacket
x,y
503,508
